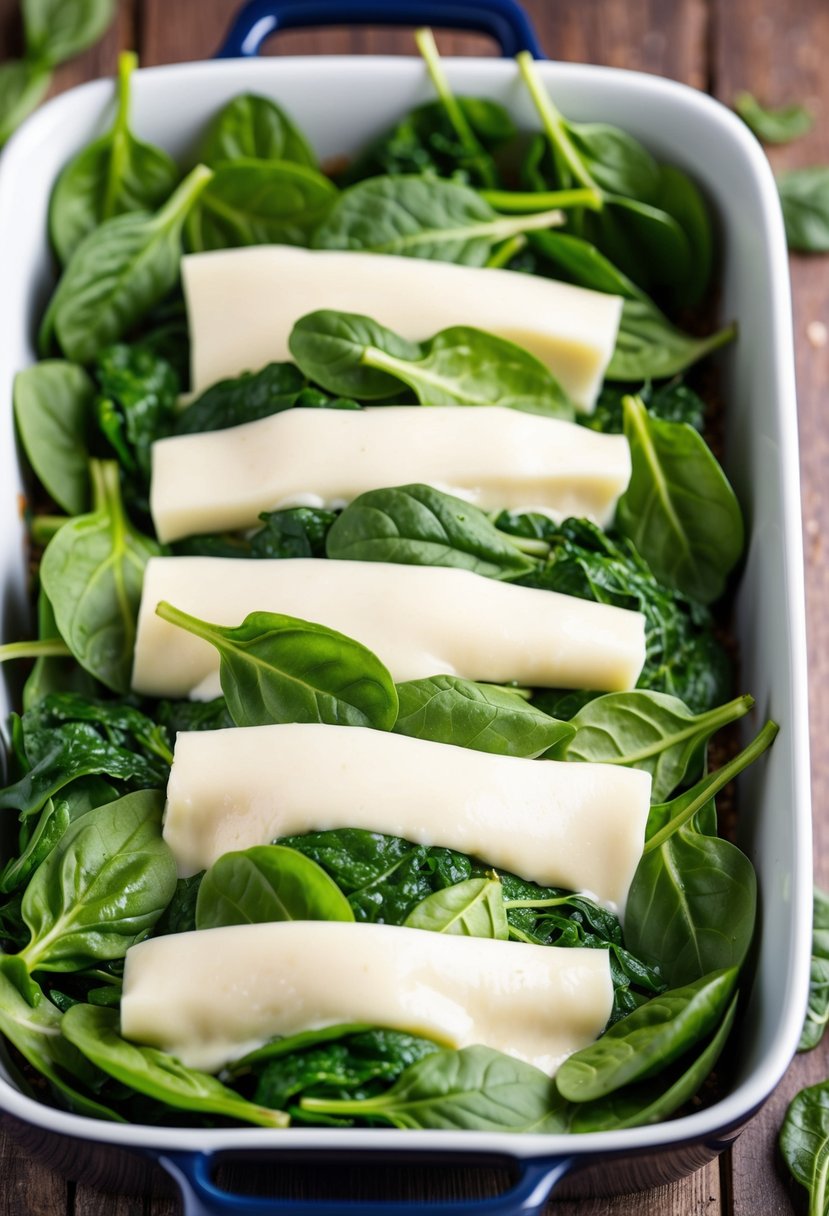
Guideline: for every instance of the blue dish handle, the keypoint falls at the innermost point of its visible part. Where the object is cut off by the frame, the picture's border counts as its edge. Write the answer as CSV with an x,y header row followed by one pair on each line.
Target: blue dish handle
x,y
201,1197
503,20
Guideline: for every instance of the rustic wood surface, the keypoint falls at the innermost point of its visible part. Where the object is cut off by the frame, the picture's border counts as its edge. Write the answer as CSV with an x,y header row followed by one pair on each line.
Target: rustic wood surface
x,y
778,51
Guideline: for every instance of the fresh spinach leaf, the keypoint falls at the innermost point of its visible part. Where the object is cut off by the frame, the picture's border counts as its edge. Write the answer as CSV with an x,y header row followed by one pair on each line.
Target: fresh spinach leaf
x,y
651,1102
804,197
674,402
804,1143
193,715
119,272
682,199
258,202
244,398
53,821
679,509
102,887
484,717
577,261
475,1088
276,668
114,174
180,914
94,1032
817,1012
474,908
55,672
651,731
778,126
423,218
23,85
267,883
57,30
649,347
351,354
139,391
254,128
52,409
419,526
92,571
648,1040
117,722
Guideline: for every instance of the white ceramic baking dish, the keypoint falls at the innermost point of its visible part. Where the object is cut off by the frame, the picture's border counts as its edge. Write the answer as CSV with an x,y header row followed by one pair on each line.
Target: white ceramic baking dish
x,y
340,103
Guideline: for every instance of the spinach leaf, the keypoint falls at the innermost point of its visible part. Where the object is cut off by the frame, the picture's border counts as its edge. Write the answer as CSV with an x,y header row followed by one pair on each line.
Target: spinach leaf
x,y
253,127
817,1012
101,889
276,668
651,731
422,218
114,174
180,914
348,353
474,908
292,532
53,821
193,715
56,30
804,197
679,509
674,402
649,347
267,883
92,572
577,261
420,526
778,126
242,399
117,723
651,1102
357,1064
804,1143
648,1040
23,85
118,272
94,1032
485,717
139,392
682,199
258,202
53,672
475,1088
52,408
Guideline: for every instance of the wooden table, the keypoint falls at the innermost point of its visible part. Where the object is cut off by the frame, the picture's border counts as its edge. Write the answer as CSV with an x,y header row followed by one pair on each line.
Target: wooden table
x,y
777,50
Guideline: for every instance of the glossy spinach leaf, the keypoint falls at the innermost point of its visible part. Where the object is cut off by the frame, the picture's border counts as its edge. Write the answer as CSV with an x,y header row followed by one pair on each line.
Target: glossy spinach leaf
x,y
475,1088
277,668
119,272
193,715
673,401
330,346
651,1101
485,717
180,914
118,723
649,347
679,509
804,1143
292,532
253,127
423,218
52,409
473,908
56,30
92,571
101,889
648,1040
53,821
94,1032
681,198
54,672
419,526
244,398
114,174
23,85
817,1012
804,197
359,1065
651,731
267,883
258,202
139,390
778,126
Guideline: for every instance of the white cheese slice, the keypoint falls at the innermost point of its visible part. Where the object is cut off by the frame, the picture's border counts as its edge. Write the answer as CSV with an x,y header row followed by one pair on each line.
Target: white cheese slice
x,y
211,996
579,826
419,620
493,458
243,303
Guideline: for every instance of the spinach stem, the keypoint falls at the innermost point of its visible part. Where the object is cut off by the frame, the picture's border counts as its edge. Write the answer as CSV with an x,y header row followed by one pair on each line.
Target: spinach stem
x,y
427,46
505,252
45,648
533,546
192,624
553,123
44,527
518,201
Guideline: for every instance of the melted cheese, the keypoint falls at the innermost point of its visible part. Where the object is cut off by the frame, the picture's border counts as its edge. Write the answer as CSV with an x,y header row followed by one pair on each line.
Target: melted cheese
x,y
491,457
243,303
211,996
579,826
420,621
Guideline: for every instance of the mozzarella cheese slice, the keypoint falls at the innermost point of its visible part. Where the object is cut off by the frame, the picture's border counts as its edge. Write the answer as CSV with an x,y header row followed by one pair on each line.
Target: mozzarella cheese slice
x,y
579,826
243,303
419,620
211,996
493,458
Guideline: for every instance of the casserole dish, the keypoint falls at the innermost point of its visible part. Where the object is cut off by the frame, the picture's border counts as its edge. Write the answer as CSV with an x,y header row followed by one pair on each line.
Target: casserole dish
x,y
342,103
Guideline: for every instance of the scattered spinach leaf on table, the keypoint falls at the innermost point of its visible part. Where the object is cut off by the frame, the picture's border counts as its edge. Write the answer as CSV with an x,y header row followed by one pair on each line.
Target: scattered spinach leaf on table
x,y
804,197
23,85
773,126
57,30
817,1012
267,883
804,1143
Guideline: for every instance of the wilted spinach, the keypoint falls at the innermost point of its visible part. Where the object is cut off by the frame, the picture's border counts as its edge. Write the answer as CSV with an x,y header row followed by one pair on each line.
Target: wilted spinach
x,y
673,401
253,395
136,407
